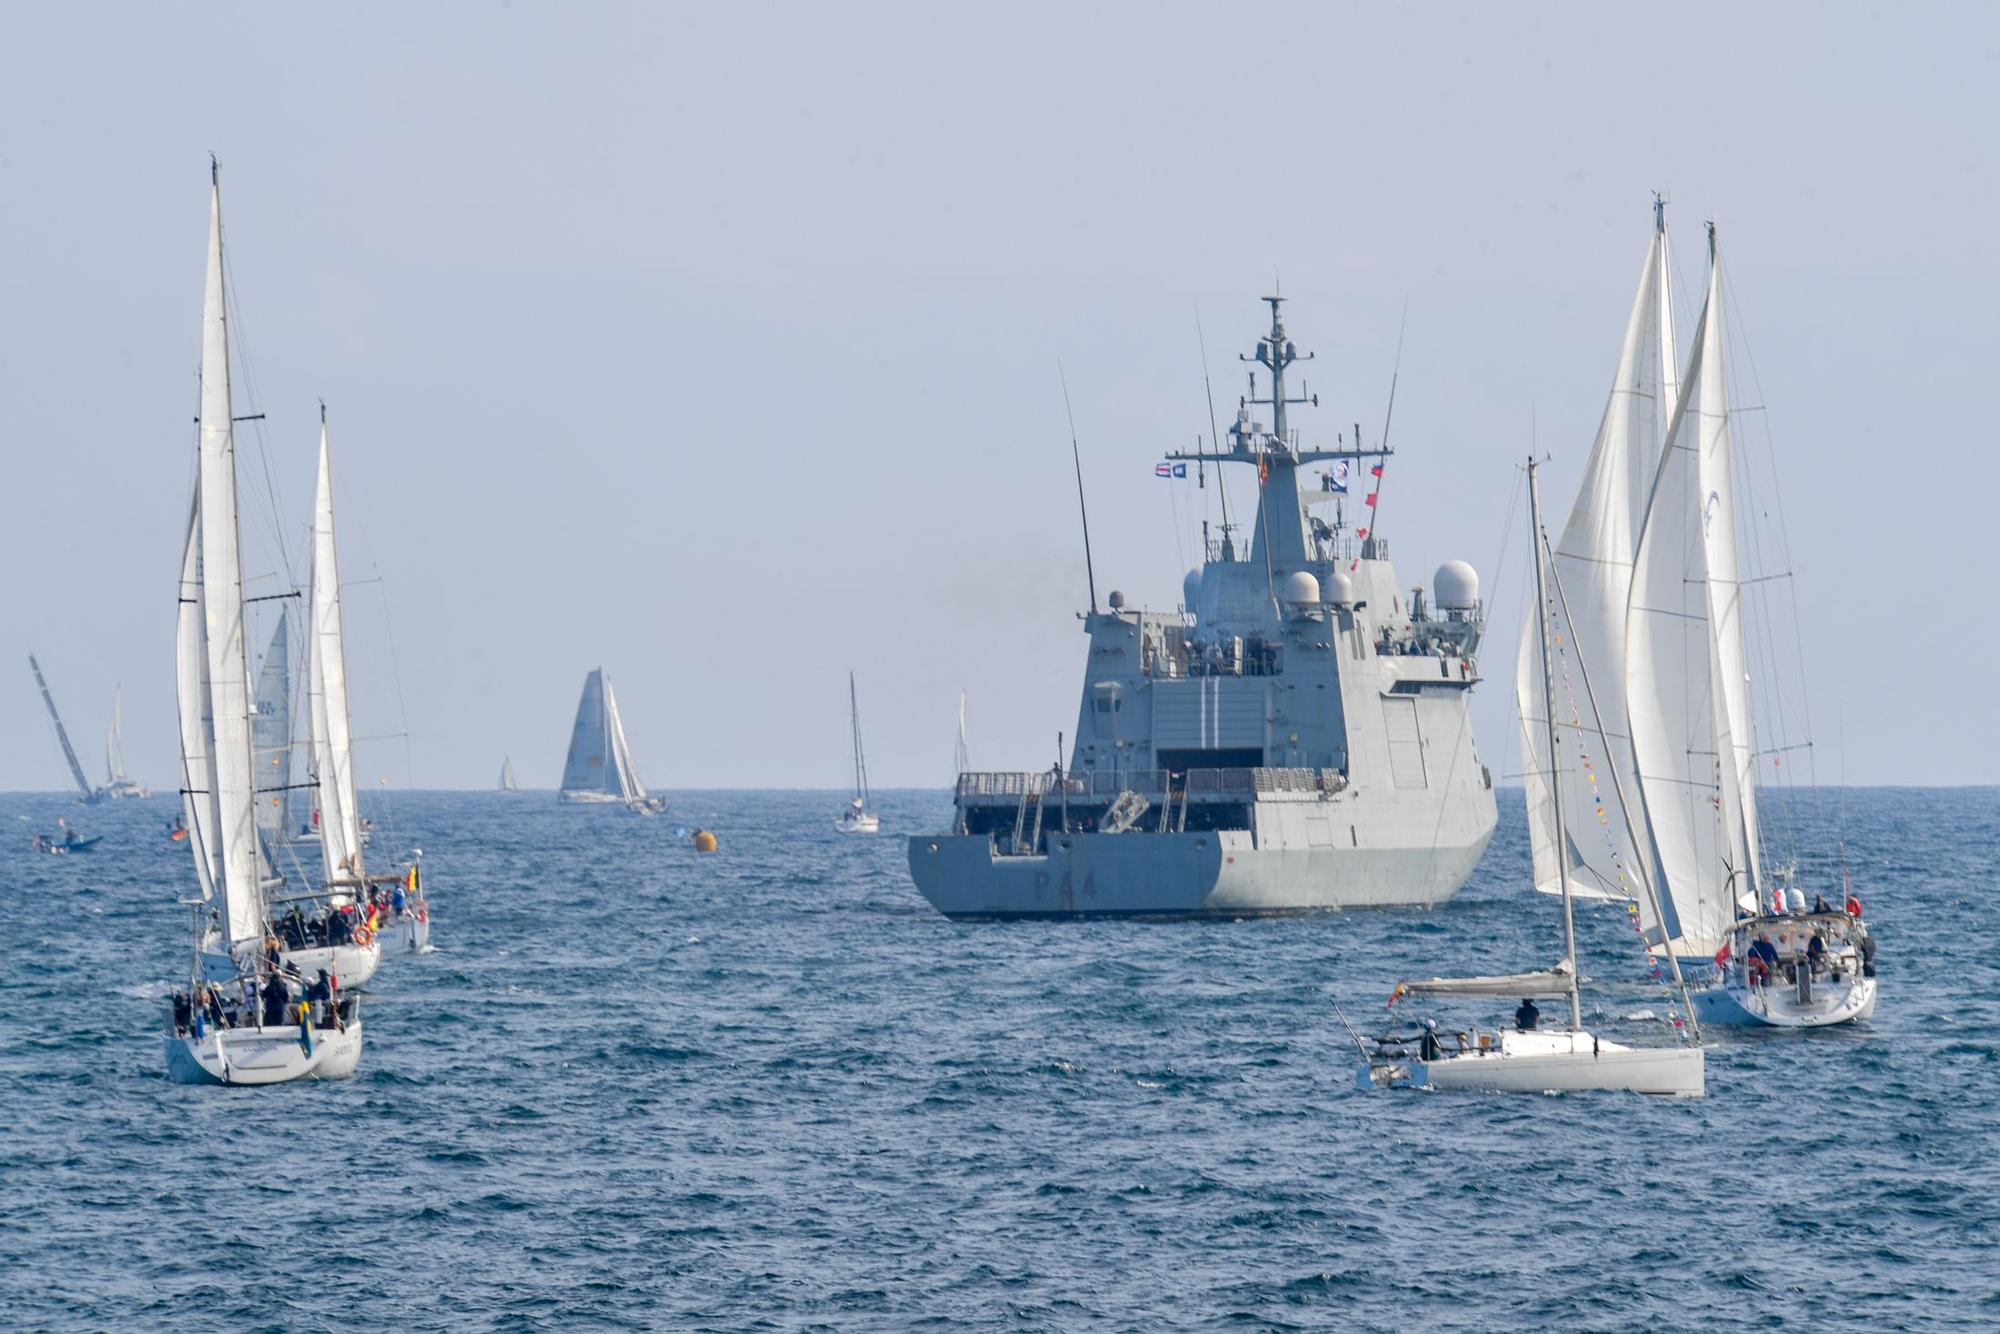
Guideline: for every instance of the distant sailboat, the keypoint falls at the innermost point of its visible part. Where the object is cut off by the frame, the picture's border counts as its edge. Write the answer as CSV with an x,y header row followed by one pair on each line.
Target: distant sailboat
x,y
599,770
347,947
117,784
507,783
857,818
84,789
239,1021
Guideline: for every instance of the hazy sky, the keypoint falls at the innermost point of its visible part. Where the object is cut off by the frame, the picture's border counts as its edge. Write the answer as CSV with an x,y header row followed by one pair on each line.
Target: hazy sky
x,y
717,344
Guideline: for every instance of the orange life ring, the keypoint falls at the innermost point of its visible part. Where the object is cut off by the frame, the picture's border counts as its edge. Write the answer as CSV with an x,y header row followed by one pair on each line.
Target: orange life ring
x,y
362,935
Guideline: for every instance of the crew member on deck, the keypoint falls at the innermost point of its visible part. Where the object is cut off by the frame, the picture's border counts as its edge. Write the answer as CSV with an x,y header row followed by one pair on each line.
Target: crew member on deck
x,y
1527,1016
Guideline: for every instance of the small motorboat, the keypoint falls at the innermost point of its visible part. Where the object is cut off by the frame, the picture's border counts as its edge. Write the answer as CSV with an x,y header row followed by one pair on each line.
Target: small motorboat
x,y
67,842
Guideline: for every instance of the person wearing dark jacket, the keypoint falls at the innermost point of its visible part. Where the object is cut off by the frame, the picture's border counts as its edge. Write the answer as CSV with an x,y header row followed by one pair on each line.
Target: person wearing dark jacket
x,y
1527,1016
275,998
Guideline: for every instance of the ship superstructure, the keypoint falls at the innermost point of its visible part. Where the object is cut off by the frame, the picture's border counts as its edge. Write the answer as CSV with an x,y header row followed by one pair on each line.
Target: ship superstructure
x,y
1293,738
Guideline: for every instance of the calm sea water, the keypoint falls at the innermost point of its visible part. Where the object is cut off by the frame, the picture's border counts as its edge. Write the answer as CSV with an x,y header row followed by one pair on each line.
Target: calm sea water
x,y
639,1087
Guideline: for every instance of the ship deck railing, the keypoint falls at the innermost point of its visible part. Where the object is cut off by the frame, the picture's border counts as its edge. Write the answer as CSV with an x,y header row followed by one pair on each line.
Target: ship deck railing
x,y
1002,788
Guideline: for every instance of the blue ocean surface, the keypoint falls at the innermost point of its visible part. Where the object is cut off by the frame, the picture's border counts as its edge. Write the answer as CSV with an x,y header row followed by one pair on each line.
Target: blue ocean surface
x,y
640,1087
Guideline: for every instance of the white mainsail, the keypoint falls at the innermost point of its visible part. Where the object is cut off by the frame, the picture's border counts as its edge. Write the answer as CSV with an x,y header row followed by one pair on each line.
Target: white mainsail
x,y
198,806
1735,742
1593,562
271,734
507,783
326,675
219,577
1681,724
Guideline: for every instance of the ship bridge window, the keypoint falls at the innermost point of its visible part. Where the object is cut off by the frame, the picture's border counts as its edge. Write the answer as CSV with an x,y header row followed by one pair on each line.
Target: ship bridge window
x,y
1109,696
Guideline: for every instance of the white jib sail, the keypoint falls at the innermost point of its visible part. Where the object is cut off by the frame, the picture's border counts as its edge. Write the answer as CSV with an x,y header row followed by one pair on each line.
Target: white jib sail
x,y
198,809
624,775
1593,561
332,740
1734,734
114,749
1669,693
221,575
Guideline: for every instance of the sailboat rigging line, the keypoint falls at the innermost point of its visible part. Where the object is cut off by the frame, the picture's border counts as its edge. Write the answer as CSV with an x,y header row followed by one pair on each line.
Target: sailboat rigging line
x,y
1214,433
1076,457
244,368
1388,420
1617,784
1782,529
1549,719
274,597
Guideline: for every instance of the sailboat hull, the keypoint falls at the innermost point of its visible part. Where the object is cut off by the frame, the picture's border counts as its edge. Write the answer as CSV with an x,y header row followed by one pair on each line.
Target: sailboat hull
x,y
263,1055
411,934
1555,1063
1779,1006
859,824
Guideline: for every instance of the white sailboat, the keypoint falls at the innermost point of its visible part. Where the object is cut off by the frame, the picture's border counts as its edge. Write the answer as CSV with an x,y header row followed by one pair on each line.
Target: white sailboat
x,y
238,1022
344,921
857,818
117,784
1687,683
1528,1058
599,768
507,783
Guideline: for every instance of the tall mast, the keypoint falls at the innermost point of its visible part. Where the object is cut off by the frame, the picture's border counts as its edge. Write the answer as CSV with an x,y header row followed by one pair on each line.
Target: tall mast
x,y
62,734
221,573
1663,285
1639,864
854,723
1549,717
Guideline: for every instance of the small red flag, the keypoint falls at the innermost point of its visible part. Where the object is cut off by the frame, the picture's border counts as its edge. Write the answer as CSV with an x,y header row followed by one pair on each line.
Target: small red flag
x,y
1371,498
1263,470
1361,532
1375,471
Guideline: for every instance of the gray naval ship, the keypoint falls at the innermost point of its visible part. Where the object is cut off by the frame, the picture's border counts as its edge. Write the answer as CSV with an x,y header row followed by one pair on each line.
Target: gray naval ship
x,y
1294,738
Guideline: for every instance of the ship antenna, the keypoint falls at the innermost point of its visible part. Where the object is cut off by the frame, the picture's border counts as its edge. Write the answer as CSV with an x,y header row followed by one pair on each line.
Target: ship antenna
x,y
1076,457
1214,436
1388,418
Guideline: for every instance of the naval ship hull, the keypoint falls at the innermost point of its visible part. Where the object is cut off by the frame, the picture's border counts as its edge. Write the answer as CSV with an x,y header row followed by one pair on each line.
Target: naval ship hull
x,y
1207,874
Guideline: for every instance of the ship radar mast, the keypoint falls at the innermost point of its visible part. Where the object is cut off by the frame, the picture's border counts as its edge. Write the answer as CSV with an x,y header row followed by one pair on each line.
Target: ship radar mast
x,y
1283,538
1275,352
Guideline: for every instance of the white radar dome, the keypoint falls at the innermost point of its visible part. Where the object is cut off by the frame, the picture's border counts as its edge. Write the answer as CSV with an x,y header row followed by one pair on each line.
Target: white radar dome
x,y
1191,589
1340,589
1456,586
1300,591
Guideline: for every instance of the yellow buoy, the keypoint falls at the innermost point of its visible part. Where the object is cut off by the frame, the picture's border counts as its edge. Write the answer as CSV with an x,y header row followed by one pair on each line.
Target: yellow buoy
x,y
704,841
